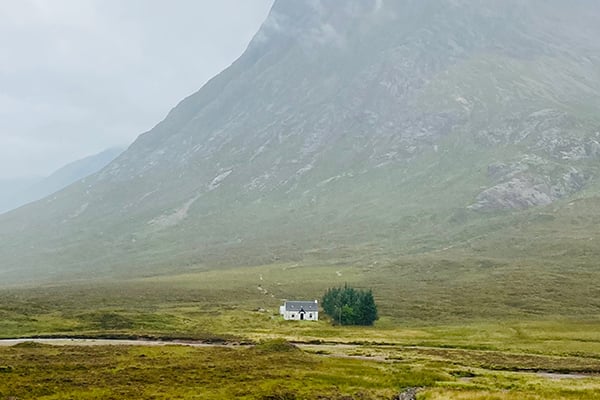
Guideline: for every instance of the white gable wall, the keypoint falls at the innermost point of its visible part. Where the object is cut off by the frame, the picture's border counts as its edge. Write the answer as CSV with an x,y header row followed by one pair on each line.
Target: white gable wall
x,y
297,315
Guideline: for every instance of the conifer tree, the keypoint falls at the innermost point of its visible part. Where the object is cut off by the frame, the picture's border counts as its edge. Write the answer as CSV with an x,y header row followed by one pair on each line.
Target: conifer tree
x,y
349,306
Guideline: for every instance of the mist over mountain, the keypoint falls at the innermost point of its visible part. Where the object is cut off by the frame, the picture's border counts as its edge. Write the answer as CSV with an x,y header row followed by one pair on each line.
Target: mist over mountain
x,y
8,188
15,193
349,132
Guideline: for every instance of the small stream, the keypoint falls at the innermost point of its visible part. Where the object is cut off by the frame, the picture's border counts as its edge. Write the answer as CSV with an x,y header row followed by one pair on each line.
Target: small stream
x,y
110,342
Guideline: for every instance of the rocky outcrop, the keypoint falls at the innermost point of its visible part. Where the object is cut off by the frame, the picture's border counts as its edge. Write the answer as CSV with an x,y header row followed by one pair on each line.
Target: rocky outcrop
x,y
408,394
532,181
517,193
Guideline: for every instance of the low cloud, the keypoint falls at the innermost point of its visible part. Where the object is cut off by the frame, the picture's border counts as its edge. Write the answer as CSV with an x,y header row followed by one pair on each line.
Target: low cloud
x,y
79,76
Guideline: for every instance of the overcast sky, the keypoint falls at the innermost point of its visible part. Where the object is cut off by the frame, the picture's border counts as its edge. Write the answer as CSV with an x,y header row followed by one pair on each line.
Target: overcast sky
x,y
80,76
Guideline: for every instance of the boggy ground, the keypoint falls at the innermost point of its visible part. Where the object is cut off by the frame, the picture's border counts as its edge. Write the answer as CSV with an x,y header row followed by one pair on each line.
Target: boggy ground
x,y
279,370
451,343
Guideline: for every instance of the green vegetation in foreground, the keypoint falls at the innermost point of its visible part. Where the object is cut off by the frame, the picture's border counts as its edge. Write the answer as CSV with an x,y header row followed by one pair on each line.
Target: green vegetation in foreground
x,y
457,335
175,372
276,370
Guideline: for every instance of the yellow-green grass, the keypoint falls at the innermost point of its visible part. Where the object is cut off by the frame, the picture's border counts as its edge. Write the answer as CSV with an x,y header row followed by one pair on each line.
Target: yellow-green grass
x,y
272,370
263,372
456,336
439,309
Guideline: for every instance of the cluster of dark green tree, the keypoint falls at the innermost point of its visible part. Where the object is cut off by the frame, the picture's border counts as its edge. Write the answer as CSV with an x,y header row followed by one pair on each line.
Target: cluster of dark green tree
x,y
349,306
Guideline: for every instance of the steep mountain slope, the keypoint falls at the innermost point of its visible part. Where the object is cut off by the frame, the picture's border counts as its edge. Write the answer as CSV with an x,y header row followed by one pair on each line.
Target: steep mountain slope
x,y
16,194
352,132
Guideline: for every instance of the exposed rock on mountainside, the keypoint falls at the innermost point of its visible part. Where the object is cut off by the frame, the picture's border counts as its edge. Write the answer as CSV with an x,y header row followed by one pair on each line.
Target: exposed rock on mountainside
x,y
532,181
363,128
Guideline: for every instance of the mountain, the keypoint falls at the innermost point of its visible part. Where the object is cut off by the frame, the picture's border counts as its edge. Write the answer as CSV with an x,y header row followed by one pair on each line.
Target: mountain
x,y
16,193
354,132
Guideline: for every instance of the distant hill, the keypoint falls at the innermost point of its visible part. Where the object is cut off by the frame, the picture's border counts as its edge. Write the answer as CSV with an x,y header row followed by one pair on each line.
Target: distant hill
x,y
352,132
16,193
9,189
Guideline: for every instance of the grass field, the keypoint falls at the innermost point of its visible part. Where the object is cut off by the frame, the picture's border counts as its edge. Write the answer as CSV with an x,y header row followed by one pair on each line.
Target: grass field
x,y
276,370
454,335
424,292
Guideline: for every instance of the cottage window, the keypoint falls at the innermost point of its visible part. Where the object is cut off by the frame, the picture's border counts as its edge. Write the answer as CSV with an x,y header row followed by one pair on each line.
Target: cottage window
x,y
310,315
293,315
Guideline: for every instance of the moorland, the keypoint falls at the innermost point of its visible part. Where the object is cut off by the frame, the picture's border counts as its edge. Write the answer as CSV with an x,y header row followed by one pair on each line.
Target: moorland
x,y
458,342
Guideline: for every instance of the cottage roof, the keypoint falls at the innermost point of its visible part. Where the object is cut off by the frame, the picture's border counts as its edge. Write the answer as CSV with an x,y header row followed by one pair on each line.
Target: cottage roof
x,y
302,305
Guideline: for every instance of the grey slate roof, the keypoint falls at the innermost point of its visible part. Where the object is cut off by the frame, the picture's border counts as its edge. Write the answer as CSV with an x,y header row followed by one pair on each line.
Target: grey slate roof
x,y
301,305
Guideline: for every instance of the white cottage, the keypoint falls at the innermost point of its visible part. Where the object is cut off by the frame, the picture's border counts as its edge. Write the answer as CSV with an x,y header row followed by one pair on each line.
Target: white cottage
x,y
300,310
